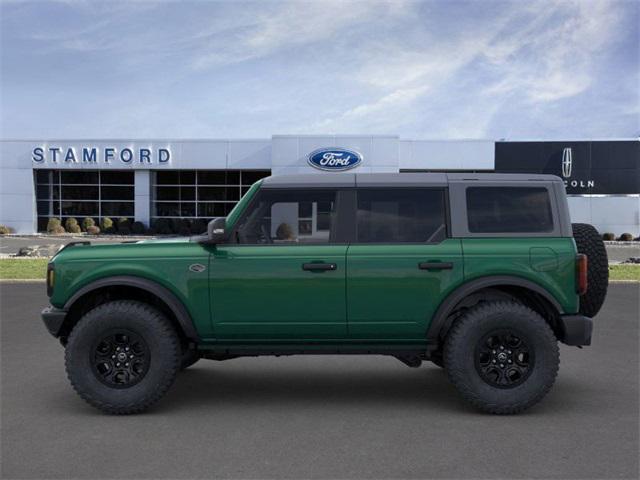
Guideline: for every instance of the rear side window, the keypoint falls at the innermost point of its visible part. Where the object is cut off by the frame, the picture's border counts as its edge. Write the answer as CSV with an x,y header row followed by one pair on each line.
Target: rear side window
x,y
401,215
509,210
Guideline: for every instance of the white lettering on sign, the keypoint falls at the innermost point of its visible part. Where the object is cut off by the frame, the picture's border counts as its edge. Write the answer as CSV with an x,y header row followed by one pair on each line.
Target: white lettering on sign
x,y
331,159
580,183
108,155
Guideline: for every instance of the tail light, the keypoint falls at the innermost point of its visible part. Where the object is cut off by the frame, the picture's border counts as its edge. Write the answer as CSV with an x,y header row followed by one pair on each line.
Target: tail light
x,y
582,281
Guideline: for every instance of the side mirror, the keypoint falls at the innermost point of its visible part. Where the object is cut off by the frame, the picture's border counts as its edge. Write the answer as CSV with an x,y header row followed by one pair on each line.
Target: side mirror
x,y
216,230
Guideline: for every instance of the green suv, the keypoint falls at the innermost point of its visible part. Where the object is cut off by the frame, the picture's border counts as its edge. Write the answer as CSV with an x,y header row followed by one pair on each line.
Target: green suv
x,y
481,274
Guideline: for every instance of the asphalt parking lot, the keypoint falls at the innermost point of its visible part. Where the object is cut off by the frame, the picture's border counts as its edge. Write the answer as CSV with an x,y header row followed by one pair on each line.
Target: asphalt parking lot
x,y
320,417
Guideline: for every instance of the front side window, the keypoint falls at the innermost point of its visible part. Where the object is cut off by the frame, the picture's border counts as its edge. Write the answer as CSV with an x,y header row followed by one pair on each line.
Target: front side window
x,y
402,215
509,210
289,217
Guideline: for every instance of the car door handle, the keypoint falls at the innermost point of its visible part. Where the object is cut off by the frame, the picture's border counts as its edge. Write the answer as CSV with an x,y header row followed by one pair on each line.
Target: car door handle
x,y
319,267
435,265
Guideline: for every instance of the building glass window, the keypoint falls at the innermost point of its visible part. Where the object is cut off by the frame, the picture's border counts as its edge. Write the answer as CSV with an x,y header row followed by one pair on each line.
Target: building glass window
x,y
79,194
199,194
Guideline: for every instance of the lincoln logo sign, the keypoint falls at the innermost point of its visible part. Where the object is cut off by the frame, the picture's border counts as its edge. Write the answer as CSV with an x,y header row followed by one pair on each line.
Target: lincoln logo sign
x,y
93,155
334,159
567,161
567,168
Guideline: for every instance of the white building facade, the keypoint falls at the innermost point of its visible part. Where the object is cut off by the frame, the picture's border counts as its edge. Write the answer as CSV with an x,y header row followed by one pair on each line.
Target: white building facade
x,y
145,180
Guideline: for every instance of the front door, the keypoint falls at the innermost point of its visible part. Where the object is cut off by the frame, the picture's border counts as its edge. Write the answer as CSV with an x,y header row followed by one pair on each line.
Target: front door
x,y
401,265
283,276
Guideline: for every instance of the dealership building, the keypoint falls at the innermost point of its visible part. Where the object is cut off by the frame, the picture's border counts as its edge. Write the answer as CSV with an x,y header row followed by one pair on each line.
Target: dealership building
x,y
146,180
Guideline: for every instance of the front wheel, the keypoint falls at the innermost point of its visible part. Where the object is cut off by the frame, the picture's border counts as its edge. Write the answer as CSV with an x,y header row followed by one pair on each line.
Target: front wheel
x,y
122,356
502,357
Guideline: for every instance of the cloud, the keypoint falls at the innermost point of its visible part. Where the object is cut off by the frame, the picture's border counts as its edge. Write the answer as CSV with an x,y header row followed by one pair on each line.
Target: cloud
x,y
291,24
543,53
553,57
381,108
420,69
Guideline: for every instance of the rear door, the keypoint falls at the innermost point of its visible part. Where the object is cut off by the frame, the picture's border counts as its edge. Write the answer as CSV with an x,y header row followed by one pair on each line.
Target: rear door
x,y
402,263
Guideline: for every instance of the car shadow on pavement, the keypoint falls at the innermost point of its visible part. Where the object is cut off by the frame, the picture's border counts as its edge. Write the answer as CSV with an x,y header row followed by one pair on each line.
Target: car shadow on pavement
x,y
213,384
207,385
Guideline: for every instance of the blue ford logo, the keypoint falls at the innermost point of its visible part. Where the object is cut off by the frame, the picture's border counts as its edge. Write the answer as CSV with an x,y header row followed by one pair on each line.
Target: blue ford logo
x,y
334,159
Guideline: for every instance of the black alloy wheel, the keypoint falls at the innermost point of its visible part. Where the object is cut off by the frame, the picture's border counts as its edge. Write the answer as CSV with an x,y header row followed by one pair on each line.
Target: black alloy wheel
x,y
504,359
120,359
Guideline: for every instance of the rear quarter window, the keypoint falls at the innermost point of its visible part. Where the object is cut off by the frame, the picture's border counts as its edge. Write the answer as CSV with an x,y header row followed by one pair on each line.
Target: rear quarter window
x,y
509,210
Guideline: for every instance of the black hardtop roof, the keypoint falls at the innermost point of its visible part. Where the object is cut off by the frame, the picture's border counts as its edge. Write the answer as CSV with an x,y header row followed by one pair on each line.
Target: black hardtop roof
x,y
397,179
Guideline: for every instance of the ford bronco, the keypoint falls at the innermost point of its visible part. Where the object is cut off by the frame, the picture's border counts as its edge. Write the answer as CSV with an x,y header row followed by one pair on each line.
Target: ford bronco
x,y
481,274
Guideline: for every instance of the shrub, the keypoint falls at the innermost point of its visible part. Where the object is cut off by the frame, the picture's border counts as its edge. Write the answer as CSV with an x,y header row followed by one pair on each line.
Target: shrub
x,y
57,230
93,230
124,226
138,228
5,230
106,225
608,236
162,226
52,224
626,237
88,222
71,225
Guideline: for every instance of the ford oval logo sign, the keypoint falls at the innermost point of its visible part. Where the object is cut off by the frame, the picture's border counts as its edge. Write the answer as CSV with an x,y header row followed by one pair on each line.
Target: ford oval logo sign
x,y
334,159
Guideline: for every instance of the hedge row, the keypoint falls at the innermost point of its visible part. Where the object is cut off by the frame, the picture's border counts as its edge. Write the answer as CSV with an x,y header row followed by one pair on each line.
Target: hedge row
x,y
625,237
123,226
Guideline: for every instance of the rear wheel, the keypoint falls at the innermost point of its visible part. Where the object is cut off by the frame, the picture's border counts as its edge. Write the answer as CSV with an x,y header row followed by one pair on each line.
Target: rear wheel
x,y
122,356
589,242
502,357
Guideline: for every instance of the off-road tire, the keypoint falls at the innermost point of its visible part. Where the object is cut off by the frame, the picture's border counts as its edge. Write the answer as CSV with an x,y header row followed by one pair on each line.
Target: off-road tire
x,y
189,357
589,242
461,363
162,344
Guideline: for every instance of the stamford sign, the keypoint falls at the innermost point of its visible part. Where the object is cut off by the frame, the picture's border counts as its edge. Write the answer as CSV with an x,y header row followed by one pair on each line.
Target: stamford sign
x,y
95,155
334,159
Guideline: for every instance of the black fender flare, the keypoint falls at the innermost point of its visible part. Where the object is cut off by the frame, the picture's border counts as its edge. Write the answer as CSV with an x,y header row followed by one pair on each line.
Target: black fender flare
x,y
175,305
439,322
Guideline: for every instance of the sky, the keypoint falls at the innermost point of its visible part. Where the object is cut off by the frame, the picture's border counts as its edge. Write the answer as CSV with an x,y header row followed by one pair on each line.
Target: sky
x,y
420,70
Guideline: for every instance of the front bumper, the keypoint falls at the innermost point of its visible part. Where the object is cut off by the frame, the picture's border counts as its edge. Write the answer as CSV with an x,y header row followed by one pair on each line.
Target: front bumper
x,y
576,330
53,319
